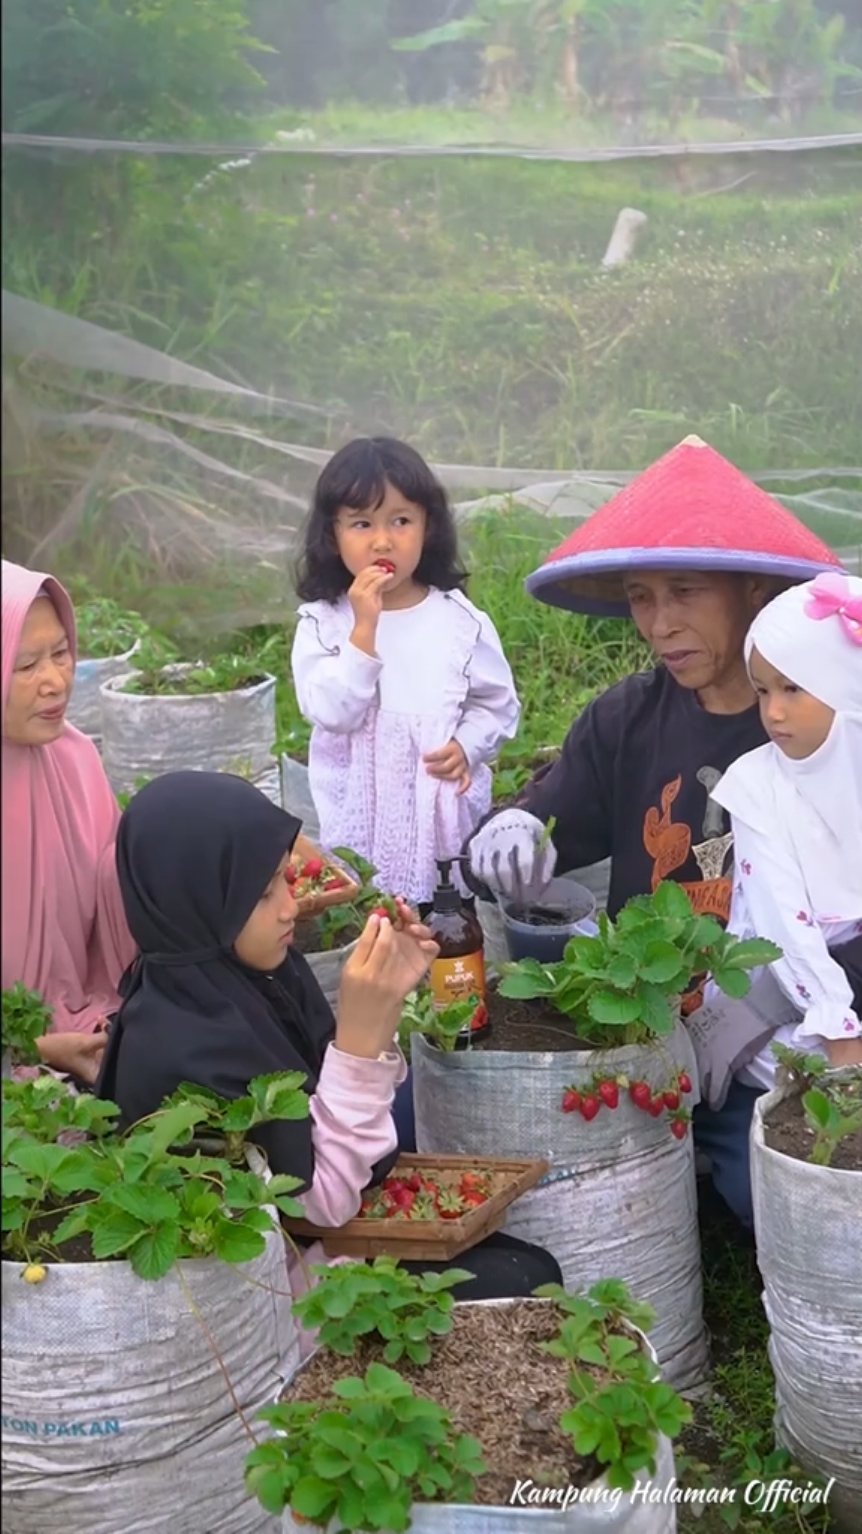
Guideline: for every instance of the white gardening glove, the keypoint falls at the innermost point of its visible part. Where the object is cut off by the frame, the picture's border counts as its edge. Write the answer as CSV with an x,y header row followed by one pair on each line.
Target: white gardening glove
x,y
504,855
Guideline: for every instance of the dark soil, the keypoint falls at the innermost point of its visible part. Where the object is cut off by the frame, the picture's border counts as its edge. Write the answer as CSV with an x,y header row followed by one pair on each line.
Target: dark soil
x,y
513,1411
786,1130
517,1027
541,915
76,1250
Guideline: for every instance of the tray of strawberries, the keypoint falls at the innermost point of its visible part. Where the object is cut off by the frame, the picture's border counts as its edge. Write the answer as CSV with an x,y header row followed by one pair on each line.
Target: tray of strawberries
x,y
316,881
429,1208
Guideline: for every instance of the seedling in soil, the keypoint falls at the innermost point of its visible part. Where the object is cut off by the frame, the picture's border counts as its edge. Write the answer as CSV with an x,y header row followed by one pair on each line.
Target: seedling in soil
x,y
620,1406
361,1299
444,1026
834,1112
362,1457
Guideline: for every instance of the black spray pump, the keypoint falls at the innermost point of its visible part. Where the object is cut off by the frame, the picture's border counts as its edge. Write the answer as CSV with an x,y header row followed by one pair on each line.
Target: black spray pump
x,y
446,896
459,969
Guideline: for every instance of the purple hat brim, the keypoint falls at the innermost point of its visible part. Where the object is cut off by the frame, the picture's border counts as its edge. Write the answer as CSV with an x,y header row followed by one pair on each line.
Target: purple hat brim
x,y
592,582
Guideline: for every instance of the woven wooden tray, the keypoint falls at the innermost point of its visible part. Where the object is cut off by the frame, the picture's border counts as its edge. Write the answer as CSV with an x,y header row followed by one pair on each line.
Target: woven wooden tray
x,y
435,1240
314,903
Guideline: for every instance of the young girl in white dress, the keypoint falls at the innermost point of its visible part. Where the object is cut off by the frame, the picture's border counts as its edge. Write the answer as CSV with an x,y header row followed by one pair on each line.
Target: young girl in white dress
x,y
403,679
796,810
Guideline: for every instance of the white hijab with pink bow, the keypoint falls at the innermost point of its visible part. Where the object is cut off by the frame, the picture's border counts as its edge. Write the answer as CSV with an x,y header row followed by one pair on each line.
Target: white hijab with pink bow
x,y
812,634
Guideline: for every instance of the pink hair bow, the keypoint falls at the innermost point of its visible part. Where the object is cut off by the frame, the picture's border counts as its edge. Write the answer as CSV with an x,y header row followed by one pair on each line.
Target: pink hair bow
x,y
831,598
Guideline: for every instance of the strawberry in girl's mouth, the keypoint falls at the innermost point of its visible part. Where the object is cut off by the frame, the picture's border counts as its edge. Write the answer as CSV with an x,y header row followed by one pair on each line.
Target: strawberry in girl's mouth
x,y
385,564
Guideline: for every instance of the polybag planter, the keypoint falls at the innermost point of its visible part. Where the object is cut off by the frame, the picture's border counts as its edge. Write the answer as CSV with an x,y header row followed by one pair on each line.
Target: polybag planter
x,y
145,735
296,796
619,1513
620,1196
116,1411
327,966
808,1223
85,704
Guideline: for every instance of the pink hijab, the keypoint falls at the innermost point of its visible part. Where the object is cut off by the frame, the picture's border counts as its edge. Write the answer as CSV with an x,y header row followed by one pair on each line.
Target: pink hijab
x,y
64,931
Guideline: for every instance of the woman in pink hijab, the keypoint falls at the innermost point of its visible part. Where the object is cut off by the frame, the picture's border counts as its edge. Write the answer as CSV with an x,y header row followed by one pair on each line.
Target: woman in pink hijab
x,y
64,931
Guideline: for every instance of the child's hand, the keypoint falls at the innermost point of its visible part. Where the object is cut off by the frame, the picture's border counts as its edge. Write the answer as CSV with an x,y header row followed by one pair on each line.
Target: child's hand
x,y
366,596
449,763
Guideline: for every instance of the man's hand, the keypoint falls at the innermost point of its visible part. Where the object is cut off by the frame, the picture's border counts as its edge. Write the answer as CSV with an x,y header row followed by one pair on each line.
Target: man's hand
x,y
449,763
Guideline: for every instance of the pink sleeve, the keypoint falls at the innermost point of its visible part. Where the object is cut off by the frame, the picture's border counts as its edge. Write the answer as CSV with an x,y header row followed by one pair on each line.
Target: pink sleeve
x,y
351,1129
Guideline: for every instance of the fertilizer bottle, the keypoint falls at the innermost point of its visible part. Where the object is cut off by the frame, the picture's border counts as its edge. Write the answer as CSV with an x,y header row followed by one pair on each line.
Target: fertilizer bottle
x,y
459,969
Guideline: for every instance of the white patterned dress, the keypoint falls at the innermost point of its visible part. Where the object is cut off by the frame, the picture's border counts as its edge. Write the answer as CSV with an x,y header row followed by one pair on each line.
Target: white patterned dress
x,y
439,673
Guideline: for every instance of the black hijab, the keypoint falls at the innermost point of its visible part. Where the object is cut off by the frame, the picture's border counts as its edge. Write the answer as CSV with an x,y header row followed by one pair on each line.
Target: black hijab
x,y
195,852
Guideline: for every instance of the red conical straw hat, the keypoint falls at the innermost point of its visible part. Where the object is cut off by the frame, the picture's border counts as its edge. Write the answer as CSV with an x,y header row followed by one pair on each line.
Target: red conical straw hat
x,y
690,510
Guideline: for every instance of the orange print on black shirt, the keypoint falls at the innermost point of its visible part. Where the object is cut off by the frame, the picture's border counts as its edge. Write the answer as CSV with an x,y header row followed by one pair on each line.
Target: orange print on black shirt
x,y
668,843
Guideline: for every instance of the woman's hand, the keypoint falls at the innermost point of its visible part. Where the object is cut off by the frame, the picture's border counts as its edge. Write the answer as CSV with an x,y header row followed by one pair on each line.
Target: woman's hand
x,y
73,1054
387,962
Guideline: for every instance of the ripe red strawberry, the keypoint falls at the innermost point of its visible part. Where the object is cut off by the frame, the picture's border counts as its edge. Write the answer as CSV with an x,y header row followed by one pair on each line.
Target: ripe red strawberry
x,y
679,1128
609,1093
640,1094
590,1106
424,1207
449,1204
290,874
474,1197
656,1105
385,564
671,1100
471,1181
312,868
335,882
380,911
480,1016
683,1081
571,1100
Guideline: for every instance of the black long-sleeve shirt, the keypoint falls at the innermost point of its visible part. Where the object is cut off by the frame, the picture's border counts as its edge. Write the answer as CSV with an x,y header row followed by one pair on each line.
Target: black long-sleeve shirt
x,y
632,783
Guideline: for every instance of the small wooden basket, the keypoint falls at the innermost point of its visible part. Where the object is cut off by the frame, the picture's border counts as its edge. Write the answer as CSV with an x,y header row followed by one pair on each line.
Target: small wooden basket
x,y
312,904
436,1240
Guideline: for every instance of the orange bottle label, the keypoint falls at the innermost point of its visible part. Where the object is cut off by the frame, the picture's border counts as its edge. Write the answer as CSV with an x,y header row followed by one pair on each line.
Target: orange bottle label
x,y
455,979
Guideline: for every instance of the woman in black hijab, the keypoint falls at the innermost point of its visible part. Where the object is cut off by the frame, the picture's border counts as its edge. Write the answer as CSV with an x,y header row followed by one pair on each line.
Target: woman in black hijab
x,y
216,997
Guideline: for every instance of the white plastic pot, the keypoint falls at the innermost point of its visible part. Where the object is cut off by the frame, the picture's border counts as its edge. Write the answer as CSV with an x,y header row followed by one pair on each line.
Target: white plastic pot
x,y
117,1413
85,705
808,1223
599,1510
620,1196
147,735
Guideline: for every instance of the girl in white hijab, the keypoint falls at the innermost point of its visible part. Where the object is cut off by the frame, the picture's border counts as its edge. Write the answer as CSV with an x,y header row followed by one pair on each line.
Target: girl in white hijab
x,y
796,809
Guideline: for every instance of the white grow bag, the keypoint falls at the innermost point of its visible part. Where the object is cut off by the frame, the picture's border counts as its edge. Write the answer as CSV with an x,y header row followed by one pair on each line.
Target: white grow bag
x,y
620,1196
85,704
599,1510
808,1222
117,1418
145,736
296,795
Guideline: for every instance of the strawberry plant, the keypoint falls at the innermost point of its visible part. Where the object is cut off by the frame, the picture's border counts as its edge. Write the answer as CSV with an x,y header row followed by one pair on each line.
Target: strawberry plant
x,y
831,1098
621,986
105,628
620,1405
25,1018
444,1026
363,1456
361,1299
146,1194
229,672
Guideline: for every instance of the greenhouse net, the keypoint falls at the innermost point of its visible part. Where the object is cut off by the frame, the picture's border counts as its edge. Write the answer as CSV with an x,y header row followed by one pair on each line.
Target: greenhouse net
x,y
543,240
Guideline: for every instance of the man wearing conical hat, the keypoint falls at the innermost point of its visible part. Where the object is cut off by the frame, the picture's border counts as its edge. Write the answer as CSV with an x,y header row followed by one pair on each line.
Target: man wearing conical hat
x,y
690,550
